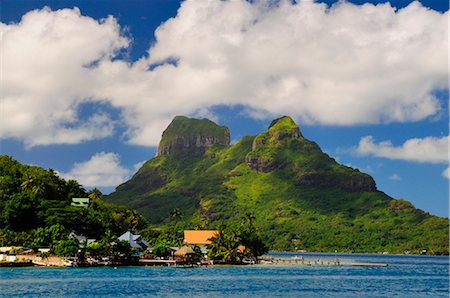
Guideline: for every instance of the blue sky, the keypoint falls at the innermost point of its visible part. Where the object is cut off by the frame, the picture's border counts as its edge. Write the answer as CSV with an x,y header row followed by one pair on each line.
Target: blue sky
x,y
92,83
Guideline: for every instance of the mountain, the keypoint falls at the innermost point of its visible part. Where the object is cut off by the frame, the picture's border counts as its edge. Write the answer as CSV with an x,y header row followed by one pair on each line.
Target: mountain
x,y
301,197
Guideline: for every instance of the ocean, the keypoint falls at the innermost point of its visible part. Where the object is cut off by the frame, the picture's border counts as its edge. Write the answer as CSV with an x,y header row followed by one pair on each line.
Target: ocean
x,y
406,276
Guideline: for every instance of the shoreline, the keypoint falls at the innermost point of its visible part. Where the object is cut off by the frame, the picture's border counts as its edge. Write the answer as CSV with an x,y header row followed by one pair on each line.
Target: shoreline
x,y
273,258
357,253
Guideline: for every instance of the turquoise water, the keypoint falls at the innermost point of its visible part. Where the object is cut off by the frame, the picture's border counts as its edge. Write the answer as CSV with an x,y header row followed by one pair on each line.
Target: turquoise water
x,y
406,276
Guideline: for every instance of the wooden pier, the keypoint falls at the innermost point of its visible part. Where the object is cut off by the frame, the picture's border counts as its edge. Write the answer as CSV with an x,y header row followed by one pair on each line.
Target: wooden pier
x,y
300,261
152,262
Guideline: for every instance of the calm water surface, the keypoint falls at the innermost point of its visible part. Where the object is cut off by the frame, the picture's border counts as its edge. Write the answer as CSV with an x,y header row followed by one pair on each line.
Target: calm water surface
x,y
406,276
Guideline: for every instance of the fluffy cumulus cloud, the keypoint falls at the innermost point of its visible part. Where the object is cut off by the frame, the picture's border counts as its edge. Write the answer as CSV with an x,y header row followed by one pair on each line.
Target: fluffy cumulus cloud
x,y
344,65
101,170
429,149
46,75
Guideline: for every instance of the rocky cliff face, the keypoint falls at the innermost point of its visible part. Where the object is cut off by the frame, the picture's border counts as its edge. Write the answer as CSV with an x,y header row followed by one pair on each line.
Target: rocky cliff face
x,y
186,137
347,182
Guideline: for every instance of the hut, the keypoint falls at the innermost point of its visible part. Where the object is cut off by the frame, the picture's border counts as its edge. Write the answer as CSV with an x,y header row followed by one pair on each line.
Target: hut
x,y
184,253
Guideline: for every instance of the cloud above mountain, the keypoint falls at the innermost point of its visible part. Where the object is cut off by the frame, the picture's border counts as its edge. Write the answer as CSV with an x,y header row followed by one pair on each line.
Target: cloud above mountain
x,y
103,169
428,150
341,65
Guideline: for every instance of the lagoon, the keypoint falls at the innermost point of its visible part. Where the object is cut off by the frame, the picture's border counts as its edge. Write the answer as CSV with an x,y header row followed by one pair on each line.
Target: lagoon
x,y
406,276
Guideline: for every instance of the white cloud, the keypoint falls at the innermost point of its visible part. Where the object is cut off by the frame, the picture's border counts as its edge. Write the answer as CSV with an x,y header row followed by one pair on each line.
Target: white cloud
x,y
395,177
45,76
343,65
446,173
429,149
101,170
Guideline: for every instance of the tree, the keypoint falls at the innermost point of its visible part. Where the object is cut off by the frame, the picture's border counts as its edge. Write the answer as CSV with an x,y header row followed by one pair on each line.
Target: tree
x,y
48,236
20,211
27,184
202,225
225,246
122,251
176,214
95,249
95,194
74,189
247,219
161,249
66,248
250,237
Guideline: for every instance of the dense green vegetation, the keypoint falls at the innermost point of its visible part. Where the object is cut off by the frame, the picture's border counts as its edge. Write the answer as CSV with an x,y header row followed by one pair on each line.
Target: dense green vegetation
x,y
302,198
235,242
36,212
36,209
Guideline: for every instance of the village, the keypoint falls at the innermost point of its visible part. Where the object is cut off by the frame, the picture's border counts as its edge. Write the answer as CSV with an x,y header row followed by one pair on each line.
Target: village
x,y
130,249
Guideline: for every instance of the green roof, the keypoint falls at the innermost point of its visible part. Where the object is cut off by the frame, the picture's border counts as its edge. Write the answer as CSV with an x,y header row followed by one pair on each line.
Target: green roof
x,y
80,202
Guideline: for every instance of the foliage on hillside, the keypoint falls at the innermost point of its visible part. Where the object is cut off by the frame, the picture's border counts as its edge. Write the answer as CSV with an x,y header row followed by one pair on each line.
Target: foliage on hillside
x,y
36,208
302,198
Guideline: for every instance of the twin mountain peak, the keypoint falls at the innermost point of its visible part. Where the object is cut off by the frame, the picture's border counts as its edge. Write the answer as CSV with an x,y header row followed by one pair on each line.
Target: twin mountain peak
x,y
192,137
302,198
281,145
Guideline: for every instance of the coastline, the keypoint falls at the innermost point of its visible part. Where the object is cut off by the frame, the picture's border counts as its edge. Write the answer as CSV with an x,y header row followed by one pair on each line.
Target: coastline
x,y
271,259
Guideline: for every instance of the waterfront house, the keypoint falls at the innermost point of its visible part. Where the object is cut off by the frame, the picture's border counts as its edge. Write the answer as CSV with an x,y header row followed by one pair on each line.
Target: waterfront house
x,y
201,238
135,241
183,253
82,240
198,237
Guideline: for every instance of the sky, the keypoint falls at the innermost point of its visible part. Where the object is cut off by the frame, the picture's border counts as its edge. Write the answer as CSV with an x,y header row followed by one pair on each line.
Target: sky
x,y
87,87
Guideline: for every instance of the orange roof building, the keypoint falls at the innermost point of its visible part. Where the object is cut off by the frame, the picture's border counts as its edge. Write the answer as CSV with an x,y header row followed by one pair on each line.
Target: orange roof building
x,y
198,237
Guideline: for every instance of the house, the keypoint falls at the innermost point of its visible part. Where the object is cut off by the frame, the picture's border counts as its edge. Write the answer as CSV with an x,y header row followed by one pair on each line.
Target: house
x,y
80,202
198,237
134,240
81,239
201,238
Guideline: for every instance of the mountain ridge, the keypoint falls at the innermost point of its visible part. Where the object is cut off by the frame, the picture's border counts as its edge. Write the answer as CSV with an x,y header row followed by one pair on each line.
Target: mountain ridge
x,y
302,197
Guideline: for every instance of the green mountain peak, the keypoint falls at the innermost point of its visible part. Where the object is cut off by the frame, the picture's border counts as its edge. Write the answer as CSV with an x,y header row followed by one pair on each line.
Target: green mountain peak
x,y
188,137
284,127
302,197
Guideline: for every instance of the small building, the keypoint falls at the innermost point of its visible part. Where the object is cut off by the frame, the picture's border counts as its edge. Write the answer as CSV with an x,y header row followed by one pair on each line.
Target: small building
x,y
184,253
82,240
134,240
80,202
198,237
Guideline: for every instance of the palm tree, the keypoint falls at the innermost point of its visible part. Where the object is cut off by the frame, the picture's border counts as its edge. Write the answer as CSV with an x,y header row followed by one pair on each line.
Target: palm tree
x,y
217,247
233,241
247,219
74,189
27,184
202,225
176,214
134,220
36,186
95,194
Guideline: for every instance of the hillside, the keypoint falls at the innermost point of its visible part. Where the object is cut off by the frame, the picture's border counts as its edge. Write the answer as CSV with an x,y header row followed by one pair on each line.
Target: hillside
x,y
302,198
35,208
